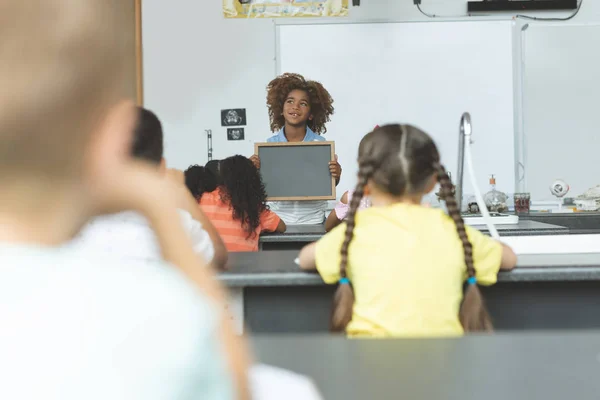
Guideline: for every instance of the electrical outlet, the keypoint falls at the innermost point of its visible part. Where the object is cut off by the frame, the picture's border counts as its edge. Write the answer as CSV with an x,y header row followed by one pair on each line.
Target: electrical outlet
x,y
417,2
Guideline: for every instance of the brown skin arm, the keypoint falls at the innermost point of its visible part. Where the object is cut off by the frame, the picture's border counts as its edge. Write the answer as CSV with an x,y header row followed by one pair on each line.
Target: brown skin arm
x,y
281,227
255,160
335,169
332,219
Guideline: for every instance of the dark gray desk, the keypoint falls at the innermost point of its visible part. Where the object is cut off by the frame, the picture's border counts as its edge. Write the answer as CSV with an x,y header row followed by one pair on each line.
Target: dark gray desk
x,y
554,366
293,238
544,292
297,236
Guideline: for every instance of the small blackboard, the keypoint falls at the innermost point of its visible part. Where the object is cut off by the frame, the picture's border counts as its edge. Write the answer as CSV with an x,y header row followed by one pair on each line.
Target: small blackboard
x,y
297,171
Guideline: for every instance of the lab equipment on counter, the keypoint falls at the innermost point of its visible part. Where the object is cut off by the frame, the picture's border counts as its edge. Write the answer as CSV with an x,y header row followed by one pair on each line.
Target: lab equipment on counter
x,y
590,200
522,203
464,154
559,188
495,200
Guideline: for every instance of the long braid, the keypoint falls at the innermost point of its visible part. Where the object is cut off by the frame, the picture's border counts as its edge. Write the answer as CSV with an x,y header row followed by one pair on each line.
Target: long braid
x,y
473,313
343,301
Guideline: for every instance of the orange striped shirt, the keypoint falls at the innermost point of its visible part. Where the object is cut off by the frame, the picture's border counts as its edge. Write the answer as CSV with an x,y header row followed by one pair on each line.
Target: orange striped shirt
x,y
233,234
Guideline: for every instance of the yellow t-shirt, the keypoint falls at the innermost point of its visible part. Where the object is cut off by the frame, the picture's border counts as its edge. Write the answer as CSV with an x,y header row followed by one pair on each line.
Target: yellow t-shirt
x,y
406,264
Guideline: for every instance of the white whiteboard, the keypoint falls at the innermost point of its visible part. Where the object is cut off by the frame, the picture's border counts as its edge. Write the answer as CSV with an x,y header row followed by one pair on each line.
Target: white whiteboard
x,y
561,101
426,74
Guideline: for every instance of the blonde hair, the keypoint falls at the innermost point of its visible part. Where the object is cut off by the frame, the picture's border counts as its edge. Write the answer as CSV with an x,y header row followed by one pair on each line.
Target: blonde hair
x,y
61,68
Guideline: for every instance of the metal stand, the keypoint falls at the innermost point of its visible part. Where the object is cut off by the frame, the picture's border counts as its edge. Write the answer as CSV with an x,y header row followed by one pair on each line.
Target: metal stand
x,y
209,143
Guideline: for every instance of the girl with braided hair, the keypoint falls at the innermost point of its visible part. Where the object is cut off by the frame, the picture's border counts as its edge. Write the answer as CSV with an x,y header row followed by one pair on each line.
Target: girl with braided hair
x,y
401,267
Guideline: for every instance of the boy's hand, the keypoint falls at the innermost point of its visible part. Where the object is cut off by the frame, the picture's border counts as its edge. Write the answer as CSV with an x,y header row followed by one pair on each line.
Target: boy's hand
x,y
255,160
335,169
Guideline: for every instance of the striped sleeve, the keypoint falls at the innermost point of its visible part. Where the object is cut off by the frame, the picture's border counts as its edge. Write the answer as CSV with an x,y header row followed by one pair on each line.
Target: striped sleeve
x,y
269,221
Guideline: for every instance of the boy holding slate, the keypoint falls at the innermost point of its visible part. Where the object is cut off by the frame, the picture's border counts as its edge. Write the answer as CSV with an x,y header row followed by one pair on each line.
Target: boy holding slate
x,y
298,111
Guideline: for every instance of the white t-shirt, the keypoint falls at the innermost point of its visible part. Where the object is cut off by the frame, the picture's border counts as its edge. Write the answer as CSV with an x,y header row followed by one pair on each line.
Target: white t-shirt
x,y
311,212
96,327
130,235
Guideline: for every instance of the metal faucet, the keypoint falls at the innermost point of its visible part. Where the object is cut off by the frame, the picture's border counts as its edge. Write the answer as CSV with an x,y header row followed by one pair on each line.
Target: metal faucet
x,y
463,135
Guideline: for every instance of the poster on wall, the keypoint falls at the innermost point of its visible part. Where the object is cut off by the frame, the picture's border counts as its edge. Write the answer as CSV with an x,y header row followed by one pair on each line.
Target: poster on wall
x,y
284,8
233,117
235,133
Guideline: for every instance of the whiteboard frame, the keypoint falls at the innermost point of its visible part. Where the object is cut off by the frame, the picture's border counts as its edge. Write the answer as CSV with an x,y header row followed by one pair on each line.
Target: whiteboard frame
x,y
520,181
279,23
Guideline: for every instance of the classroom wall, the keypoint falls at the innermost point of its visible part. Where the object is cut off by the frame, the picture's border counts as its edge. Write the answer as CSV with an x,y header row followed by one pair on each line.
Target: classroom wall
x,y
197,63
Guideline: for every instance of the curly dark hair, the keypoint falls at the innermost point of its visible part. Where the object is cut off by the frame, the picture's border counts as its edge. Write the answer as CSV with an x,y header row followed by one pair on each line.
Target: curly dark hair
x,y
321,103
199,180
242,187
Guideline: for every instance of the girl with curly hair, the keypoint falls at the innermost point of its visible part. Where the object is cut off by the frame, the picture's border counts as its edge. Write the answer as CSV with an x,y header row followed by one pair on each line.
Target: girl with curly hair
x,y
298,111
237,207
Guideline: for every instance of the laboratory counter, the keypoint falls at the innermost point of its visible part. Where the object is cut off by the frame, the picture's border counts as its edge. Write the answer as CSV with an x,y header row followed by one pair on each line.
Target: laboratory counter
x,y
296,236
578,223
559,291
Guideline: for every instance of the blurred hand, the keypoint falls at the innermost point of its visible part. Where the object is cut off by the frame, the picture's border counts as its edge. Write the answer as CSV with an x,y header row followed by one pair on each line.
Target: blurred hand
x,y
176,176
116,181
255,160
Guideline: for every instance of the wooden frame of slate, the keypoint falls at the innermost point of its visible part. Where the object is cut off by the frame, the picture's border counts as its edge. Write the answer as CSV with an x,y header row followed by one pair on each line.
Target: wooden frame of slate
x,y
297,171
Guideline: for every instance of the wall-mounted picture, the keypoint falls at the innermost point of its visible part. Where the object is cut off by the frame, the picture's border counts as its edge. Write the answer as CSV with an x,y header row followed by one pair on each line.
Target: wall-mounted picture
x,y
284,8
235,133
233,117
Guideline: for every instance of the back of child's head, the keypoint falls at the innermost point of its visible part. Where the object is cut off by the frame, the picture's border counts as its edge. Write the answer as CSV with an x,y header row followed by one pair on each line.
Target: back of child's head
x,y
321,102
214,166
242,187
401,160
61,69
148,137
199,180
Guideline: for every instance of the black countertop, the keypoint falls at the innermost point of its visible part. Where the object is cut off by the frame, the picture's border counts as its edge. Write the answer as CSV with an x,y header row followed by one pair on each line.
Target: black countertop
x,y
555,366
277,268
578,223
295,233
312,233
